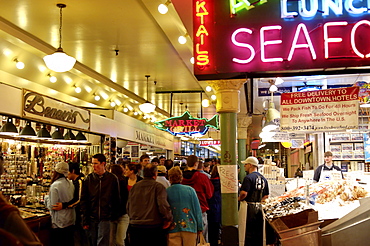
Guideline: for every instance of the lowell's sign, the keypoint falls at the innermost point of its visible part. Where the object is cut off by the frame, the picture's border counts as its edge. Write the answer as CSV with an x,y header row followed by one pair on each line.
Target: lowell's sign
x,y
43,108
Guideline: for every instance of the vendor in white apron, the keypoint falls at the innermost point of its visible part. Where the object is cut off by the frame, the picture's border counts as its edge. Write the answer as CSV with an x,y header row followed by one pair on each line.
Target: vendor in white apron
x,y
327,171
254,189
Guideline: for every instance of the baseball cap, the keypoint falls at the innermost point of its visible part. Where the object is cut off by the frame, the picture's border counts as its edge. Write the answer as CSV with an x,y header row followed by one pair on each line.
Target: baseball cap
x,y
251,160
161,169
62,168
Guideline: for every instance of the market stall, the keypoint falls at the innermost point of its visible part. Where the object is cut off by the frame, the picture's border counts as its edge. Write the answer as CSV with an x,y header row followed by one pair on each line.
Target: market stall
x,y
299,214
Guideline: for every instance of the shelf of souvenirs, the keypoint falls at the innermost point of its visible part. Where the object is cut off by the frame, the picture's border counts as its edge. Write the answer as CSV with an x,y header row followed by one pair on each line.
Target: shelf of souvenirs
x,y
34,166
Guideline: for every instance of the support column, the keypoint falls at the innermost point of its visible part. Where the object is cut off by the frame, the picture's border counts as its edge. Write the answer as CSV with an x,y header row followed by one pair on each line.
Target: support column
x,y
228,105
243,122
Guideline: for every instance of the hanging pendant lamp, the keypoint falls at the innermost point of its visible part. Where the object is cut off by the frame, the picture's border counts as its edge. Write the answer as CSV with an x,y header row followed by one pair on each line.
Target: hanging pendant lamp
x,y
9,128
57,135
28,131
60,61
81,137
147,107
69,136
43,133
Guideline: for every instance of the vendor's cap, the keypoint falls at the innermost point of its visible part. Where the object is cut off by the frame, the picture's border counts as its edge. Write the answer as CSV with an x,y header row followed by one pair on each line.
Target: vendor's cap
x,y
62,168
328,153
161,169
251,160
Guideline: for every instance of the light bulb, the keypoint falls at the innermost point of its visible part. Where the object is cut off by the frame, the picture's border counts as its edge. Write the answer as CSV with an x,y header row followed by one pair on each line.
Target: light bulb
x,y
182,40
125,110
205,103
53,79
279,81
78,89
19,65
213,97
192,60
97,97
112,104
208,88
136,113
273,88
162,8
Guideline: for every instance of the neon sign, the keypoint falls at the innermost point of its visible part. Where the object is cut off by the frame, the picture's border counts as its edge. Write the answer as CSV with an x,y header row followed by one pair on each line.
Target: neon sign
x,y
187,125
238,5
202,26
281,35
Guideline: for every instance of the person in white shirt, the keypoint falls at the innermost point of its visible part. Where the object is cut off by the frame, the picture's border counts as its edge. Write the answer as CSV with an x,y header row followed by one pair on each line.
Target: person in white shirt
x,y
328,166
161,178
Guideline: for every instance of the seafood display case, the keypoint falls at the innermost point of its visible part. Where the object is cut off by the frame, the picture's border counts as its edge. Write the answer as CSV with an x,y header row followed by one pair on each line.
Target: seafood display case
x,y
351,229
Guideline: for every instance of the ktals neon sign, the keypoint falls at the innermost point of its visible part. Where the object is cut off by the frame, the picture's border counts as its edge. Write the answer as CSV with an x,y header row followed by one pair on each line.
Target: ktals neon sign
x,y
355,7
202,20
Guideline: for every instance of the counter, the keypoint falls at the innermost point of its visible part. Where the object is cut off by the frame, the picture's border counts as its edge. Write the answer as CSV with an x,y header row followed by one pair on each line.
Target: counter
x,y
39,222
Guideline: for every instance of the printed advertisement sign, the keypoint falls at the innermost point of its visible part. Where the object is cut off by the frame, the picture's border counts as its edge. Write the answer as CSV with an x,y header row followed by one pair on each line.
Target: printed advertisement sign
x,y
276,137
322,110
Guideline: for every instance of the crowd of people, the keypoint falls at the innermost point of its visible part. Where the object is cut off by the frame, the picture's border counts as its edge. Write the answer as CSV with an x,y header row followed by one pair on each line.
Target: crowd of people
x,y
154,202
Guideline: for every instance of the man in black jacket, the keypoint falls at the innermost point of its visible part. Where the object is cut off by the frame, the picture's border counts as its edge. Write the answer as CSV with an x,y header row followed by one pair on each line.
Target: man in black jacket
x,y
100,202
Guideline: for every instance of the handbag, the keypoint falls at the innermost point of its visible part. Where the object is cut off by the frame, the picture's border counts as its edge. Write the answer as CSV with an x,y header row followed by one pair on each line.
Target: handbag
x,y
202,241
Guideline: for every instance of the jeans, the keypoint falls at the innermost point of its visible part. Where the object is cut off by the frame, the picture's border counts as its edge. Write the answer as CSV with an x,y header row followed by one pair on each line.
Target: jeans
x,y
119,230
99,232
205,226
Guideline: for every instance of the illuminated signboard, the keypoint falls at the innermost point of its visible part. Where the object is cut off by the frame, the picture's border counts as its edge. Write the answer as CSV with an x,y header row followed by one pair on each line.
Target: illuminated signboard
x,y
209,142
202,41
241,36
187,125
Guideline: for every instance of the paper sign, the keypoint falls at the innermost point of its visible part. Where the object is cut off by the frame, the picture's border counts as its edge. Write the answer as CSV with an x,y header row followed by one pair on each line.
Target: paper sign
x,y
322,110
229,178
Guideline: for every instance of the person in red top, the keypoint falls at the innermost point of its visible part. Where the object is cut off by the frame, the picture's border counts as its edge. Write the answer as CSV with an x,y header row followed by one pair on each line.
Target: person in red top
x,y
202,185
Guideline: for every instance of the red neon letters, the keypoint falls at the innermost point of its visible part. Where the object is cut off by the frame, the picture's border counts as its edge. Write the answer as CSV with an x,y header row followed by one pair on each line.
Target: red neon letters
x,y
201,35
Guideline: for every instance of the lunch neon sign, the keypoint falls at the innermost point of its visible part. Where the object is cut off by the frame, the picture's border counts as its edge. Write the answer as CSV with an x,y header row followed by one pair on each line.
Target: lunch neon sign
x,y
275,35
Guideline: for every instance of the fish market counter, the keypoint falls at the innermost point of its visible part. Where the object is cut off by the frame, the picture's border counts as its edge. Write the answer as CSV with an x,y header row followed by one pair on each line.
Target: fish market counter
x,y
321,206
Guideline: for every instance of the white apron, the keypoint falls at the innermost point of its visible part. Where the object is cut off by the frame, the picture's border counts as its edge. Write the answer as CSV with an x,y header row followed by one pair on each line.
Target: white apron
x,y
327,175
